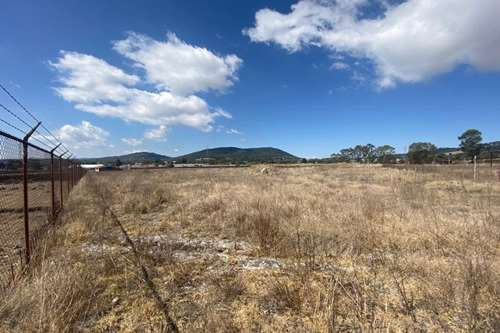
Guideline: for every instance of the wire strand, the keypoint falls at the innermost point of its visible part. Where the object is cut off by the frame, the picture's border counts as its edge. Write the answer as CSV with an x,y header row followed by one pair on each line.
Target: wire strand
x,y
18,103
14,127
15,116
39,141
33,117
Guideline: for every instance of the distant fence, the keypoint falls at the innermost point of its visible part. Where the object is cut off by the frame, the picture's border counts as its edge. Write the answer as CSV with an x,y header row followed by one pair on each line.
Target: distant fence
x,y
34,185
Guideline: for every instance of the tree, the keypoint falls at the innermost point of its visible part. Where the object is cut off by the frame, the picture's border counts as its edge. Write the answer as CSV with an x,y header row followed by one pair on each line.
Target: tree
x,y
368,151
385,154
347,154
421,152
118,163
470,142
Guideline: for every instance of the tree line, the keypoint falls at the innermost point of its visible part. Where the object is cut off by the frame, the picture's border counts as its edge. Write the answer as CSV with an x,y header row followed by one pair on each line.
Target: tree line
x,y
470,147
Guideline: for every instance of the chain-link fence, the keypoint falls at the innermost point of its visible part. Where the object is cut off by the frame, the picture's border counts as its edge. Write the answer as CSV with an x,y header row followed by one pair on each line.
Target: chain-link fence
x,y
34,184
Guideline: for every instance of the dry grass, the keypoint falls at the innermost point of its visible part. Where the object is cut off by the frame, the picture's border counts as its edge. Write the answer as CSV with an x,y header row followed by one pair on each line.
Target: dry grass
x,y
328,248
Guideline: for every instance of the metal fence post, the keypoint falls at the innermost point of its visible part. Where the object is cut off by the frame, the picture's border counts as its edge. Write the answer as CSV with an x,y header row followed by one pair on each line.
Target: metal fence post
x,y
53,193
25,202
25,193
67,172
61,178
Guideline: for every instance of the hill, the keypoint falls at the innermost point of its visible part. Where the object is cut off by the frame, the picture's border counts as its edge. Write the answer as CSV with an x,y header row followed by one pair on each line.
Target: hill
x,y
140,157
215,155
237,155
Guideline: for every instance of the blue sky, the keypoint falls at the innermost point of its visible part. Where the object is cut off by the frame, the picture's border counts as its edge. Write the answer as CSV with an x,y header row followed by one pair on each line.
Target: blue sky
x,y
309,77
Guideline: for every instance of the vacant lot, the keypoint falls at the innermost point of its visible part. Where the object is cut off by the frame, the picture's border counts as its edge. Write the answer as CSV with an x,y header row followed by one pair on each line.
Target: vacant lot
x,y
306,249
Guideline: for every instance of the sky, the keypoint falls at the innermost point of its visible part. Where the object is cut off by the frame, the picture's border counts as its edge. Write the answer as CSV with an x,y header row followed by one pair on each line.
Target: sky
x,y
309,77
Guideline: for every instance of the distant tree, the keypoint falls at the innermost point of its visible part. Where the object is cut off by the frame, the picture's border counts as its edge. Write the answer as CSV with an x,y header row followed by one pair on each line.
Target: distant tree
x,y
470,142
346,155
385,154
442,158
368,153
358,153
118,162
421,152
304,160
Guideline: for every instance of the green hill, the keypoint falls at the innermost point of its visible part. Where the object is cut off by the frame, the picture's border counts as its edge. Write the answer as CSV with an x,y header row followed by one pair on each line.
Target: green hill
x,y
141,157
215,155
237,155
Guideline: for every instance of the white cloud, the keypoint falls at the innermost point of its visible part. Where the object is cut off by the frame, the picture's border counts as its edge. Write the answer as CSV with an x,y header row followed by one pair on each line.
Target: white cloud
x,y
83,136
410,42
339,65
95,86
233,131
131,151
132,141
177,66
88,80
157,133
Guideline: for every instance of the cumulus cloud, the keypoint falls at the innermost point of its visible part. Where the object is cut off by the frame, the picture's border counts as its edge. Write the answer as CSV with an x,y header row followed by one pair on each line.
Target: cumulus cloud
x,y
177,69
88,80
177,66
233,131
156,133
132,141
83,136
409,42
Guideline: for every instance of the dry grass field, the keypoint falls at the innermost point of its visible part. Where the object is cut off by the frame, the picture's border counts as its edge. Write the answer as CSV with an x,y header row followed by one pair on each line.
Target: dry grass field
x,y
309,249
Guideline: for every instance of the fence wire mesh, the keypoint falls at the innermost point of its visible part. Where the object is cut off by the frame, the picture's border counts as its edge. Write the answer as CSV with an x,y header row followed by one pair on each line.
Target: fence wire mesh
x,y
11,208
39,192
34,184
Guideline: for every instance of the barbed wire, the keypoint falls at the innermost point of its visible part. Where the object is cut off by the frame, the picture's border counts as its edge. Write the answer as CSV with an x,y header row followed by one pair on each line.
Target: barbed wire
x,y
15,116
52,144
13,126
29,127
18,103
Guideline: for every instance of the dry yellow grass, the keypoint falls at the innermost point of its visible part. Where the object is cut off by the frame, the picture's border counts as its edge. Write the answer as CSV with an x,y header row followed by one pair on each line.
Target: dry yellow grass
x,y
310,249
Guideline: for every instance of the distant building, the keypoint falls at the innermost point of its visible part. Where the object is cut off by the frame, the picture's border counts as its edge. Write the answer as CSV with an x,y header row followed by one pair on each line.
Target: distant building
x,y
93,167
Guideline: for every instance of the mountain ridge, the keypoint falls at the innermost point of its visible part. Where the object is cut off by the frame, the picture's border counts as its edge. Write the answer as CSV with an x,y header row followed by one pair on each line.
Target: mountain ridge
x,y
212,155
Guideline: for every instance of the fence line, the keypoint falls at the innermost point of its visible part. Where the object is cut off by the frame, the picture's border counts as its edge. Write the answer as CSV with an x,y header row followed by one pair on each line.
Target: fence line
x,y
34,185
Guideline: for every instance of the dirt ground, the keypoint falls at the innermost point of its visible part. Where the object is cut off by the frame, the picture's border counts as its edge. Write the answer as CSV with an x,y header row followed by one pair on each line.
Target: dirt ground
x,y
265,249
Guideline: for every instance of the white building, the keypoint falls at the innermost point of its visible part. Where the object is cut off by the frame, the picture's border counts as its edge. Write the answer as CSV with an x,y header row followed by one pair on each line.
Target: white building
x,y
93,167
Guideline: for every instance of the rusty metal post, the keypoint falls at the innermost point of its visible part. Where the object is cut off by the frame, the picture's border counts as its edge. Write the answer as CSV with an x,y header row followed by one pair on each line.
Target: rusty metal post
x,y
52,191
70,175
25,193
25,202
73,165
61,178
67,172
